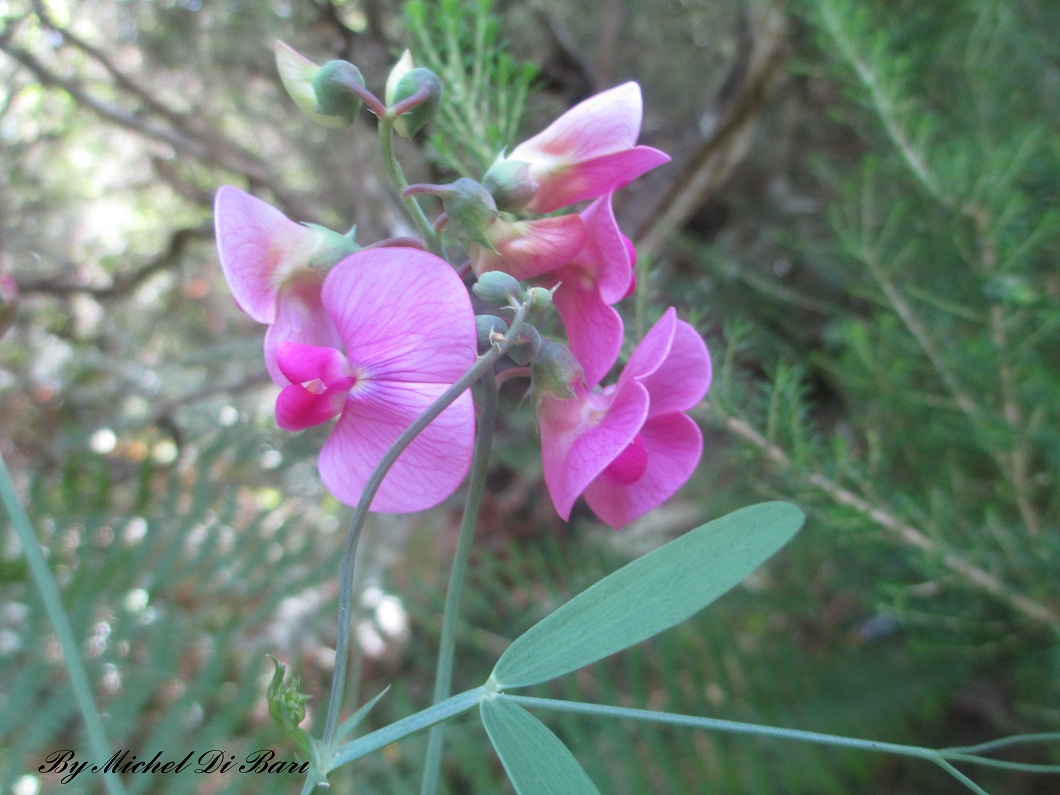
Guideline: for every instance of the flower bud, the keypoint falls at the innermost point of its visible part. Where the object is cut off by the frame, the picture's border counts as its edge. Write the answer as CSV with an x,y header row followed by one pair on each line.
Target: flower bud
x,y
498,288
471,211
413,120
331,86
297,73
539,298
403,66
509,182
555,371
527,345
488,327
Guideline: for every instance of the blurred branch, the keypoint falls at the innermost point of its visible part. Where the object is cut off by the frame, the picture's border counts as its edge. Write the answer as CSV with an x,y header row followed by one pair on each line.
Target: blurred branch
x,y
126,283
725,131
909,535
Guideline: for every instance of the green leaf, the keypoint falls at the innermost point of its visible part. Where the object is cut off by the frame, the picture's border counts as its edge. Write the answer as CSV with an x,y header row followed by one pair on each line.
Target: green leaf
x,y
651,594
355,719
536,760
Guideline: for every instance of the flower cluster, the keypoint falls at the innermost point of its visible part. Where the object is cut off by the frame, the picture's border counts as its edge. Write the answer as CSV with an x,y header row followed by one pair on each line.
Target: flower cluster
x,y
374,335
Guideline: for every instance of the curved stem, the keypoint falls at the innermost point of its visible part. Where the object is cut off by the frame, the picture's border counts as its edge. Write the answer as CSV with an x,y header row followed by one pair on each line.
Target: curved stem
x,y
397,176
342,645
443,681
53,607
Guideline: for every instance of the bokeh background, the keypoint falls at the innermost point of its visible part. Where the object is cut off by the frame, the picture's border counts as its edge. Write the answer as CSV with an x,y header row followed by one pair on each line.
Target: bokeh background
x,y
862,219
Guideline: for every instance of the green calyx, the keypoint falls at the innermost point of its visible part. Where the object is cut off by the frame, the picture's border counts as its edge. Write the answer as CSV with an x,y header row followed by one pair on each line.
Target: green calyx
x,y
332,88
417,81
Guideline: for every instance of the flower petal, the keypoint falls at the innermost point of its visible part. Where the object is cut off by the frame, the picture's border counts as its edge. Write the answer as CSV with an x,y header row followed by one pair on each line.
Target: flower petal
x,y
403,315
577,443
682,380
588,179
607,251
258,245
604,123
652,350
300,318
427,472
673,444
301,363
525,249
298,408
594,329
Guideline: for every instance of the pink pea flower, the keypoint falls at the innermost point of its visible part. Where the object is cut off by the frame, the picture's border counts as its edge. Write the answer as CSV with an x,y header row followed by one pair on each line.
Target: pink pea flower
x,y
630,446
407,331
268,262
526,249
599,276
588,151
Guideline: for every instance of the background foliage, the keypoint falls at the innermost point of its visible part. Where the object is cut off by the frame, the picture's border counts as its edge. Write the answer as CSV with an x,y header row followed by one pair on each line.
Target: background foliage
x,y
861,217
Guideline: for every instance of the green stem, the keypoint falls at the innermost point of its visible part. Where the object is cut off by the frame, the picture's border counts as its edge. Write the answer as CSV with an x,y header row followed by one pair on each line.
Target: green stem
x,y
397,175
398,730
53,607
342,646
443,681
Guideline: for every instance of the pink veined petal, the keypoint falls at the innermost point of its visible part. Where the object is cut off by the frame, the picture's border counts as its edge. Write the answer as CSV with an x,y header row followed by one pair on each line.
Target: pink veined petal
x,y
403,315
605,255
673,445
594,329
526,249
428,471
258,246
300,318
652,350
683,378
562,184
298,408
301,363
580,437
604,123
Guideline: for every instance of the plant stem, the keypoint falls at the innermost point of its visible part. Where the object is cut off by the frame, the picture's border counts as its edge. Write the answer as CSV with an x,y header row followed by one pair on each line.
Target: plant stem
x,y
444,675
397,176
398,730
53,607
342,645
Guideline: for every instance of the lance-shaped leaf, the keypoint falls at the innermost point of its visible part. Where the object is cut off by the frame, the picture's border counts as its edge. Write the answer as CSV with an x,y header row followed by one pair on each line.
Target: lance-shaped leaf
x,y
536,760
651,594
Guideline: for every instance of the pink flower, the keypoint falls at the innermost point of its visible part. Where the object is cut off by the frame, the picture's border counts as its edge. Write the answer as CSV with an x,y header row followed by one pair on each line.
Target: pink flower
x,y
405,322
526,249
599,276
630,446
588,151
268,262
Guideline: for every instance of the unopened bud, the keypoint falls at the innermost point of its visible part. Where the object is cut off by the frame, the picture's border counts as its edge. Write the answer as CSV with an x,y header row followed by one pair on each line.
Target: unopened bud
x,y
331,86
416,118
297,73
539,298
527,345
498,288
471,210
509,182
555,371
489,328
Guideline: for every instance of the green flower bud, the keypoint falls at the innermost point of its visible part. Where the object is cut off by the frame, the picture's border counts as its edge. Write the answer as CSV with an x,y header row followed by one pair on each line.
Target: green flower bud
x,y
416,118
297,73
330,84
488,327
498,288
540,298
509,182
555,371
471,211
527,345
